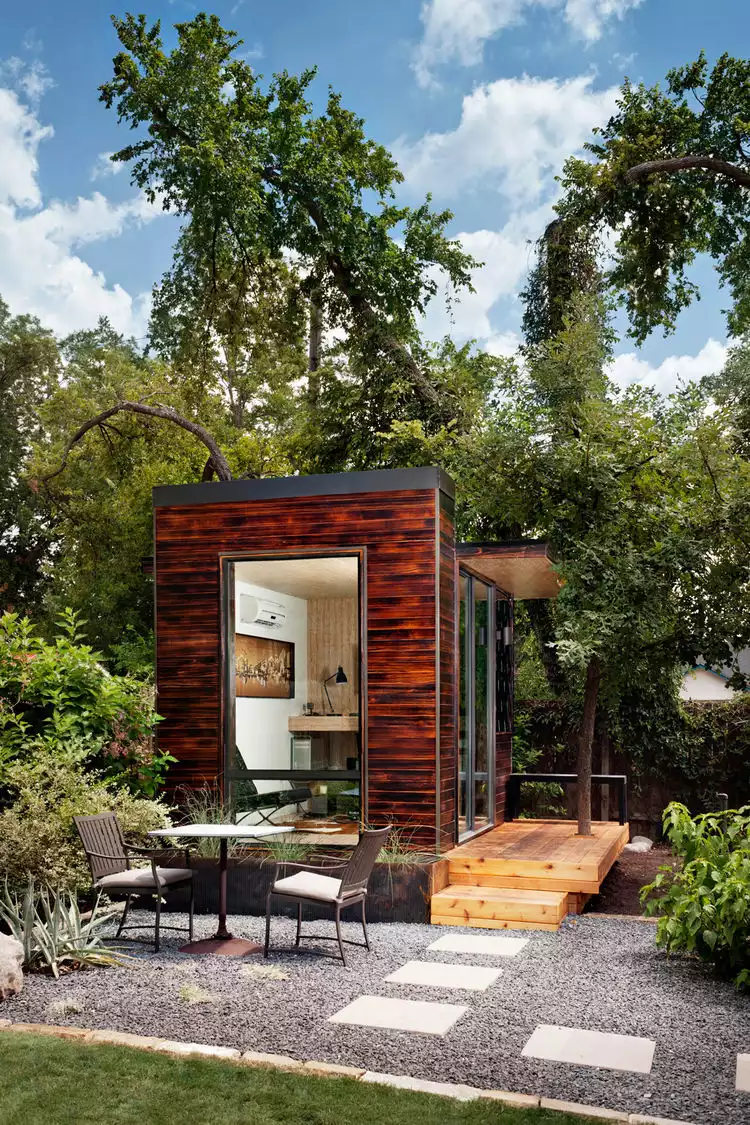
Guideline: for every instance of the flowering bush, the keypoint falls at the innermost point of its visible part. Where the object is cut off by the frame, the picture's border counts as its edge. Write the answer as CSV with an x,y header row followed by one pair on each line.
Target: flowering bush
x,y
57,697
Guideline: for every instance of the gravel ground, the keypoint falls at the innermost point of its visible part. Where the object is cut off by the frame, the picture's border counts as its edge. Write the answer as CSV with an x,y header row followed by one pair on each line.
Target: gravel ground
x,y
596,973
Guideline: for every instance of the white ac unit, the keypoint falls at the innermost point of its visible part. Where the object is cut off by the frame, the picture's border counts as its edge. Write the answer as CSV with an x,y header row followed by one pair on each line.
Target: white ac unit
x,y
261,611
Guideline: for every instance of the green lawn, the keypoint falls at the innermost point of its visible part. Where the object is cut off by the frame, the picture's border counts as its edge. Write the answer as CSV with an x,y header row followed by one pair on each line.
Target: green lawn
x,y
46,1081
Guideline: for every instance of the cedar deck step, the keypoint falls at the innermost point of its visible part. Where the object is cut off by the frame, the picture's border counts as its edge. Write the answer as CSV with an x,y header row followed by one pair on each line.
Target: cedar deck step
x,y
498,908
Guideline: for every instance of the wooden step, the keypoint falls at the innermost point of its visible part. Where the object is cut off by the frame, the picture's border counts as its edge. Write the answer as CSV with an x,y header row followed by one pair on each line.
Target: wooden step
x,y
538,855
498,908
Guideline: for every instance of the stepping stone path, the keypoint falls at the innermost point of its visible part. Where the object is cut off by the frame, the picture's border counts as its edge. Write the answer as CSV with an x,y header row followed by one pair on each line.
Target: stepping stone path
x,y
479,943
591,1048
438,974
427,1017
569,1045
421,1016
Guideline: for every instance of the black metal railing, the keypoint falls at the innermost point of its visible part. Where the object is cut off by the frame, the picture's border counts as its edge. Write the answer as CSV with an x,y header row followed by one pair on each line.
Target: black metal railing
x,y
516,780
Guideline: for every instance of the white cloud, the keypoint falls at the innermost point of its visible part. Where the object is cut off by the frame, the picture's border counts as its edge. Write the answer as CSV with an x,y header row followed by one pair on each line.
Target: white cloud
x,y
588,17
20,136
514,134
104,167
505,254
39,271
504,344
31,79
630,368
456,30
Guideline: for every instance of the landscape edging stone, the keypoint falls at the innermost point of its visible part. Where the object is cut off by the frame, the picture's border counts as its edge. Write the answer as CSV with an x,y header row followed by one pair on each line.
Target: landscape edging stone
x,y
105,1037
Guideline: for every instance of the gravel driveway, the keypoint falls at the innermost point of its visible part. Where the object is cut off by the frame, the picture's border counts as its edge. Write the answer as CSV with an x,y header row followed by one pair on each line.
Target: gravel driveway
x,y
597,973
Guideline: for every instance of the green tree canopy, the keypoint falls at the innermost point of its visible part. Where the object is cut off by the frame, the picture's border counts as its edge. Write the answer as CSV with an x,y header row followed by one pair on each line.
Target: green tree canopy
x,y
671,178
29,371
644,504
259,177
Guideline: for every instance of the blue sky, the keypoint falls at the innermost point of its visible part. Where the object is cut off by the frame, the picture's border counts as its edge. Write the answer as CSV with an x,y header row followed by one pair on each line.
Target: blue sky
x,y
480,99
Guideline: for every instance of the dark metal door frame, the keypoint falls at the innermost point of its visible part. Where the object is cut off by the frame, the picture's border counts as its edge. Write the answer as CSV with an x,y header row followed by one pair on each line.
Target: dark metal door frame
x,y
470,776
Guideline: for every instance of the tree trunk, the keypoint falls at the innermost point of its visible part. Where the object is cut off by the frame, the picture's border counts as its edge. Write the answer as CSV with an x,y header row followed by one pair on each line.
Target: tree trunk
x,y
585,743
605,768
313,351
216,458
540,616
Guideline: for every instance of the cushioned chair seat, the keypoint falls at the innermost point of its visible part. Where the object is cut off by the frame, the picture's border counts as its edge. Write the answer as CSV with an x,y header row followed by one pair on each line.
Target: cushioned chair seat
x,y
308,884
141,878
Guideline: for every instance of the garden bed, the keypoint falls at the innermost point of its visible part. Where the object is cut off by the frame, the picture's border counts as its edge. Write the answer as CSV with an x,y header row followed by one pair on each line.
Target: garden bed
x,y
398,892
620,893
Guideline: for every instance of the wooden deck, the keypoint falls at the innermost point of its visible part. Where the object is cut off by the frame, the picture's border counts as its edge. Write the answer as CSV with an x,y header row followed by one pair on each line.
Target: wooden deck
x,y
526,874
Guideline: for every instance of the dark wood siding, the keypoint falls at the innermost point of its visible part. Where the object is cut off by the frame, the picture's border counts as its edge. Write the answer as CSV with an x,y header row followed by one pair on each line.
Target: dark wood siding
x,y
448,671
503,752
399,535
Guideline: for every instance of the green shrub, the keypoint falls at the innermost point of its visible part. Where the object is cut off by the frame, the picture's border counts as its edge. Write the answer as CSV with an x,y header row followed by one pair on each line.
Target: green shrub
x,y
52,932
704,908
58,697
37,835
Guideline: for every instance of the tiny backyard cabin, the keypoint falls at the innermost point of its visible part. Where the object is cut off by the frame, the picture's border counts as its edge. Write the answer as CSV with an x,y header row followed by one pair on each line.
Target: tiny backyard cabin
x,y
330,657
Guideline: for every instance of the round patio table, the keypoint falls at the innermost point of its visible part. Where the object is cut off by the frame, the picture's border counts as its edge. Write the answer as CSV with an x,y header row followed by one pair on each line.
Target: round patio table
x,y
223,942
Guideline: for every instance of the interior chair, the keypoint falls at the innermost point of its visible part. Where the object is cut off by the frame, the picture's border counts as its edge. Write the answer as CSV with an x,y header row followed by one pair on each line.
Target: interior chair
x,y
319,886
265,805
109,859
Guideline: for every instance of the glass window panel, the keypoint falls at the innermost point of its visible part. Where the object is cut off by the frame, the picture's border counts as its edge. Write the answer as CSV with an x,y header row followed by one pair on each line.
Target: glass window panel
x,y
463,717
481,639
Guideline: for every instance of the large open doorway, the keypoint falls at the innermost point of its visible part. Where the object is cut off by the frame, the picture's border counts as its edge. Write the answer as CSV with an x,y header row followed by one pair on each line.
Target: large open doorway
x,y
293,688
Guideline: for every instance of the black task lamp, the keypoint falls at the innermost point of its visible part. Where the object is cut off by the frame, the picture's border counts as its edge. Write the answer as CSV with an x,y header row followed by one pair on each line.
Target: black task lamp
x,y
340,677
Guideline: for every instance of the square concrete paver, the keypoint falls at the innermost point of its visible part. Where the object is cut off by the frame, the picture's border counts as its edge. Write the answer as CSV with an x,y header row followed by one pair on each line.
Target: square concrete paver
x,y
479,943
591,1048
438,974
743,1074
422,1016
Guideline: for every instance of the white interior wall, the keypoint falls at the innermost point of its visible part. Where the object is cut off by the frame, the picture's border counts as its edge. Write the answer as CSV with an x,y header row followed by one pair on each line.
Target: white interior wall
x,y
262,725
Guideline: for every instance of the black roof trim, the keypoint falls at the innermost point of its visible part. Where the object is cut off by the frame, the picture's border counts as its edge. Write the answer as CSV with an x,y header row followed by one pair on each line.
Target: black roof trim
x,y
321,484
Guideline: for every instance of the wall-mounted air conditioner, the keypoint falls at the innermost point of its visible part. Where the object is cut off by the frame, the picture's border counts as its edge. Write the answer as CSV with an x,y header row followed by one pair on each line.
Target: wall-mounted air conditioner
x,y
261,611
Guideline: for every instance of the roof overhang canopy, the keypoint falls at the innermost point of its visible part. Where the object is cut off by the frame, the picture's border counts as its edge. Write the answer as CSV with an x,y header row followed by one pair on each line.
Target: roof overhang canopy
x,y
523,569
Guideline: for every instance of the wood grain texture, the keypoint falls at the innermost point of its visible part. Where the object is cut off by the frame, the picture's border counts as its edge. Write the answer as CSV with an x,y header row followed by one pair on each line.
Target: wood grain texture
x,y
448,675
398,531
333,639
323,723
528,874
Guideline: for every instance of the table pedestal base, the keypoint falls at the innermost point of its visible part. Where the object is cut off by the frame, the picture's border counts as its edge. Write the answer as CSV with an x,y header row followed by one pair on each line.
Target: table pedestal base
x,y
224,947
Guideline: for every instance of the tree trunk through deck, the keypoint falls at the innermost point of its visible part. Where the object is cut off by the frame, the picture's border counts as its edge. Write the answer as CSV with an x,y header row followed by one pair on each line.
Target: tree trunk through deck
x,y
585,742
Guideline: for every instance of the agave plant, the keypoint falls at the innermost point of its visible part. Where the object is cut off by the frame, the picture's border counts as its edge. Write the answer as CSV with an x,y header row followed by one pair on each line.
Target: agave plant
x,y
49,926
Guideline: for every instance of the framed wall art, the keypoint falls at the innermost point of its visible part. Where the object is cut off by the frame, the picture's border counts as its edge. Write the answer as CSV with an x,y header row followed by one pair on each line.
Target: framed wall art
x,y
264,668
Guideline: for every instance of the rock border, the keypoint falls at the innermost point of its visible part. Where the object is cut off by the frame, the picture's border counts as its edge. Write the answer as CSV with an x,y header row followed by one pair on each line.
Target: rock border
x,y
178,1049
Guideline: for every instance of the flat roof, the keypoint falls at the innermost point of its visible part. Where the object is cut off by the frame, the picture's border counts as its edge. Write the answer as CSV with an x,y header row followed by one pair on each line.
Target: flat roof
x,y
319,484
522,568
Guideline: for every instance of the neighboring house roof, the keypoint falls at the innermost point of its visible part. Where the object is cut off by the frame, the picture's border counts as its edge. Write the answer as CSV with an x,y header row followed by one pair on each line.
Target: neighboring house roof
x,y
703,683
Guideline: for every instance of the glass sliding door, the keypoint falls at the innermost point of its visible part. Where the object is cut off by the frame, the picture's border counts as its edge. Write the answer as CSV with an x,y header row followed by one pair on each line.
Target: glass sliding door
x,y
476,705
482,703
464,705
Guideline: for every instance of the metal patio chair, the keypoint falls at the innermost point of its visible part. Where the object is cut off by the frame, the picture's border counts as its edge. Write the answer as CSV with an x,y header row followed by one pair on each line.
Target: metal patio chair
x,y
109,859
316,886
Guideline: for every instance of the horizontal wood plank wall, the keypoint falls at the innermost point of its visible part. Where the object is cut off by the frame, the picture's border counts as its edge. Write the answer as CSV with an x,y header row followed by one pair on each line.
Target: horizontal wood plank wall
x,y
398,530
503,756
448,678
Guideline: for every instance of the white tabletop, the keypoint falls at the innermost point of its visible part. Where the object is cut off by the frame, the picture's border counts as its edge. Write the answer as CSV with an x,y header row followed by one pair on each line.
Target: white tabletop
x,y
225,831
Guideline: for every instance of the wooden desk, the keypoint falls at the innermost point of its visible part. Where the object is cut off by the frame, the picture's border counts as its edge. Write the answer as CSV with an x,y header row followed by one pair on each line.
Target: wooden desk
x,y
309,724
